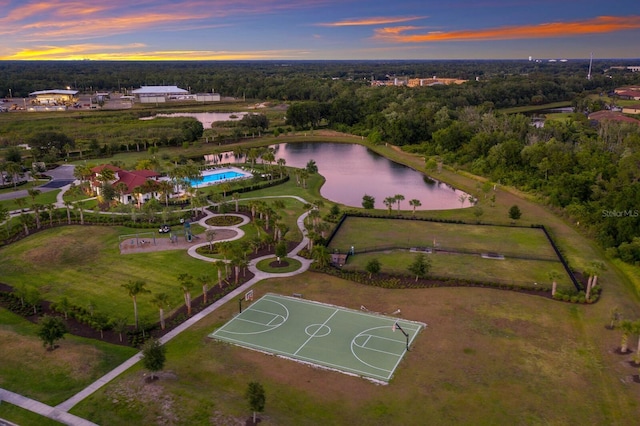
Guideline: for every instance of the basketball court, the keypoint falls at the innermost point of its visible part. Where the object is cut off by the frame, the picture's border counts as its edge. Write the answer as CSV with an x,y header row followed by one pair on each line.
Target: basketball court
x,y
352,342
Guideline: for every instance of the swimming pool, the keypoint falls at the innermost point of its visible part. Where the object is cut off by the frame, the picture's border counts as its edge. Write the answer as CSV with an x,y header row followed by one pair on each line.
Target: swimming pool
x,y
210,177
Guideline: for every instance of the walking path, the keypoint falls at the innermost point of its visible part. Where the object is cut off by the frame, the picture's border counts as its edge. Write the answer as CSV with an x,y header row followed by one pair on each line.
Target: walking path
x,y
60,411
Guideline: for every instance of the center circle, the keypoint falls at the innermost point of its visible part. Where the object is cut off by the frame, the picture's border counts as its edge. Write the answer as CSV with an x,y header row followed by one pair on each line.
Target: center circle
x,y
317,330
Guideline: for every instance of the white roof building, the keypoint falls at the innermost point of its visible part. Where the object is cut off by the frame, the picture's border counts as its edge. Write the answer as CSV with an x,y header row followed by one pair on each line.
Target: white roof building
x,y
148,94
54,92
53,97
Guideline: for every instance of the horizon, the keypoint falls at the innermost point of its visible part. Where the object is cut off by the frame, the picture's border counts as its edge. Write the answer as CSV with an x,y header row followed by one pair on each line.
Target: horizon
x,y
322,30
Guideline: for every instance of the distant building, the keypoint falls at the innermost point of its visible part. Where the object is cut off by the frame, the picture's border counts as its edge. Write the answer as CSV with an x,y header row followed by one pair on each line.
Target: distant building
x,y
628,92
604,115
208,97
417,82
159,94
631,109
53,97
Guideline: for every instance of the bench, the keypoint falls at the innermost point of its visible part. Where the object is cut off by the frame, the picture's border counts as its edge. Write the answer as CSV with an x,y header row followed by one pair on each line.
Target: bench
x,y
298,295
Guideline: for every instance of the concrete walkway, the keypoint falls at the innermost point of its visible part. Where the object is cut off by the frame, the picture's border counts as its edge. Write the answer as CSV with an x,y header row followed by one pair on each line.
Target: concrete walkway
x,y
43,409
60,412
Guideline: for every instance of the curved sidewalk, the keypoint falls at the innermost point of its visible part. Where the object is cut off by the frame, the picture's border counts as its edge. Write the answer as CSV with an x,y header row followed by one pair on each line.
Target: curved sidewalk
x,y
258,276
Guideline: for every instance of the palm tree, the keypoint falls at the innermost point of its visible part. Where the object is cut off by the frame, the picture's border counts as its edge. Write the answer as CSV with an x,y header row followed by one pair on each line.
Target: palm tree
x,y
627,328
68,205
33,193
204,281
106,176
462,198
186,284
165,187
81,210
312,167
13,169
220,265
389,202
321,255
236,197
161,300
304,175
50,209
120,188
225,187
415,203
134,288
4,217
36,210
25,220
398,198
82,172
281,163
252,156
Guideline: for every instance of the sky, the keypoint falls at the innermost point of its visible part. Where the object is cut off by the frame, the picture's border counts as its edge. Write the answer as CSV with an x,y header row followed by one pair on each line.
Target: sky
x,y
318,29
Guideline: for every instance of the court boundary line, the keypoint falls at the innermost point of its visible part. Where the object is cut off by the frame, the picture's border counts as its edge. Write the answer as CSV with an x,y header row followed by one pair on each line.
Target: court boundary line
x,y
414,326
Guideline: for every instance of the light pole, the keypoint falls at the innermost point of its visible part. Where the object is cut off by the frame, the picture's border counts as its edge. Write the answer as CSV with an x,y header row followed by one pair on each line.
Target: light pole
x,y
10,96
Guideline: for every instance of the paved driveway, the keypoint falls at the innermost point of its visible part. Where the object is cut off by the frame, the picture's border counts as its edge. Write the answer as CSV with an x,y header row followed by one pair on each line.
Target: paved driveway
x,y
60,176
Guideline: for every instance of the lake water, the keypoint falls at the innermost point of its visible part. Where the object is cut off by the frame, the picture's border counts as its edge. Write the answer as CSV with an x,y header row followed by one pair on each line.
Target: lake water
x,y
206,118
352,170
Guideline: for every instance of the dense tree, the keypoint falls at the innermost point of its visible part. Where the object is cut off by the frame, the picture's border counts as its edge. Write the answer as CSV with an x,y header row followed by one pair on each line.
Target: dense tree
x,y
51,330
254,122
256,397
153,356
514,212
373,267
368,201
420,266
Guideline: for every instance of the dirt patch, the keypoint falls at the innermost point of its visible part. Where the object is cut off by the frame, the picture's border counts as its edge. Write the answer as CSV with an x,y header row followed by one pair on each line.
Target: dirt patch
x,y
67,250
138,392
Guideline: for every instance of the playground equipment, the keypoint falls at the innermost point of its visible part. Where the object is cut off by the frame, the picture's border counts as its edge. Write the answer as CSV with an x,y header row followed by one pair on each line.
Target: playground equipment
x,y
139,239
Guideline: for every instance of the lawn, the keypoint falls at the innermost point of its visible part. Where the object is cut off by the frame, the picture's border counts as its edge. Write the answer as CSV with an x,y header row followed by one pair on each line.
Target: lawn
x,y
507,358
520,272
487,356
84,264
372,233
389,241
51,376
43,198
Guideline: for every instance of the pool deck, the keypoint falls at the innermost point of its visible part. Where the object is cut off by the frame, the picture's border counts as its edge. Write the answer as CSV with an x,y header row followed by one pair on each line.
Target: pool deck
x,y
221,170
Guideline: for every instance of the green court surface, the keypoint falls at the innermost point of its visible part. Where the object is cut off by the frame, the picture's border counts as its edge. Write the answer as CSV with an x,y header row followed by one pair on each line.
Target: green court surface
x,y
332,337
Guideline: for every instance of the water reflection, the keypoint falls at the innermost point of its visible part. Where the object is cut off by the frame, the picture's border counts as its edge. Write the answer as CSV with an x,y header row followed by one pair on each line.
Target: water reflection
x,y
352,170
206,118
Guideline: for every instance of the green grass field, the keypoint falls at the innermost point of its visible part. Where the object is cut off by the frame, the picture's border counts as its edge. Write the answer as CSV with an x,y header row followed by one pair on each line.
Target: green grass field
x,y
529,258
84,264
489,357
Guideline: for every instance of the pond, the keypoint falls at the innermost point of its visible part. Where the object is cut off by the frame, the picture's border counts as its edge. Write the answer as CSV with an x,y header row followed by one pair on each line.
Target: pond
x,y
206,118
353,170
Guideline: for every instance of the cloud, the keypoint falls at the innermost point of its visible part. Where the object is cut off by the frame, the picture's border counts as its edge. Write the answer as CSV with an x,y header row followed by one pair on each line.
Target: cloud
x,y
369,21
77,20
139,52
598,25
